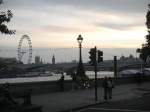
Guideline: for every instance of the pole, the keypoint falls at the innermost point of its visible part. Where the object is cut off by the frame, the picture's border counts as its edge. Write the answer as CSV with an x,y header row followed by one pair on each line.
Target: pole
x,y
141,66
95,74
115,66
80,58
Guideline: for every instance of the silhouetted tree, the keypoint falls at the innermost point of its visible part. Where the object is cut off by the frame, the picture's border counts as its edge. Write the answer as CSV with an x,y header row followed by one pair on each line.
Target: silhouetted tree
x,y
5,17
145,50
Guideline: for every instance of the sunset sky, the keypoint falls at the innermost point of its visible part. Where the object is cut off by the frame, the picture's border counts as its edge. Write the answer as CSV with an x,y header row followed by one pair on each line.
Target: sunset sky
x,y
107,24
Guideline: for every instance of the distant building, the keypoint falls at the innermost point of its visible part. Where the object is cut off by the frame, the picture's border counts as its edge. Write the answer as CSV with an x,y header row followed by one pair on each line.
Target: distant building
x,y
131,58
9,60
74,61
53,60
37,59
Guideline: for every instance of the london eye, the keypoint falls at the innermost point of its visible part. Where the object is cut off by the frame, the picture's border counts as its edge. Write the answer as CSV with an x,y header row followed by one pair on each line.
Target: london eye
x,y
21,52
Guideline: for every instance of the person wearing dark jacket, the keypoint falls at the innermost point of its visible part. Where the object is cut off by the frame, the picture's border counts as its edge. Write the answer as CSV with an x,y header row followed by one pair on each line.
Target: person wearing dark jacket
x,y
6,98
62,82
139,78
105,86
74,82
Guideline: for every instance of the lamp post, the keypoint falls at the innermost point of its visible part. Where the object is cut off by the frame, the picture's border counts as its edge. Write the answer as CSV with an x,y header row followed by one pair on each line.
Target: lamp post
x,y
80,69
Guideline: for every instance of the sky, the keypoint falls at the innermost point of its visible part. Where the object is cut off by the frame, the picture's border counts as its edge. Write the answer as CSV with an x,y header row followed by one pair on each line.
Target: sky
x,y
117,27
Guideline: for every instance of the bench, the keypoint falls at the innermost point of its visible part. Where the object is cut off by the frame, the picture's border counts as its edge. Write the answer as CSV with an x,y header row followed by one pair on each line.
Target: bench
x,y
25,95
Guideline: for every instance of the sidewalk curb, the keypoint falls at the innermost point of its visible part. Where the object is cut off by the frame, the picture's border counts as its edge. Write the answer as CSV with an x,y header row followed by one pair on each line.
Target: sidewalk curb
x,y
80,100
98,103
82,107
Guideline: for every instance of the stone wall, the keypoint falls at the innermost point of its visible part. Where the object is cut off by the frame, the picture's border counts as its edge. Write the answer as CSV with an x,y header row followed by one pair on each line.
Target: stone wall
x,y
53,86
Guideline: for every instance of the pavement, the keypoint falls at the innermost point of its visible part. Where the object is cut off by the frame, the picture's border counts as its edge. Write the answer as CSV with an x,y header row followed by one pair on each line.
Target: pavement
x,y
69,101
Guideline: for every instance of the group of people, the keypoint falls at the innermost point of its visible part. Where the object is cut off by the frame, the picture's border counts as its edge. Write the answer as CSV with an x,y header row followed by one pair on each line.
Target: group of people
x,y
108,84
74,82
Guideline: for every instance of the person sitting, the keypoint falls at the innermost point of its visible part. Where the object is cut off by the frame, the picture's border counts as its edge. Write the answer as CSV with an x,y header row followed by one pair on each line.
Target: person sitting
x,y
6,98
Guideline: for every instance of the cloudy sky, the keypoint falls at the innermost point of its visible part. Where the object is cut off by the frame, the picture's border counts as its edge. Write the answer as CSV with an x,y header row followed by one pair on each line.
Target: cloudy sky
x,y
115,26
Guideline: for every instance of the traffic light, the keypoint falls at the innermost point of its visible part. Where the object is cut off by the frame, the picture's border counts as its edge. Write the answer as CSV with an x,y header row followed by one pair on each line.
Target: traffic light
x,y
100,54
92,56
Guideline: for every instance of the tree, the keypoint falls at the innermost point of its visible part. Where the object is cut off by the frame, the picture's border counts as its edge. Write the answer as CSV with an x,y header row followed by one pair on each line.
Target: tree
x,y
145,50
5,17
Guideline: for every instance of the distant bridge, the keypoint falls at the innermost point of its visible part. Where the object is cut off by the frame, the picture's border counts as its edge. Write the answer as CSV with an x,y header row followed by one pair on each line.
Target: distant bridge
x,y
87,66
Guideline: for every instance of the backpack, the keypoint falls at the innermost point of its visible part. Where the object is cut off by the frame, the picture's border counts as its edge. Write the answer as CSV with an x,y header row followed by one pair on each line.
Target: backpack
x,y
109,84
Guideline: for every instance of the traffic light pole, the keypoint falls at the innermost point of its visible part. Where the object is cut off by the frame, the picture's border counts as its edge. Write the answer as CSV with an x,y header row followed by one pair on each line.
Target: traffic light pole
x,y
95,74
95,57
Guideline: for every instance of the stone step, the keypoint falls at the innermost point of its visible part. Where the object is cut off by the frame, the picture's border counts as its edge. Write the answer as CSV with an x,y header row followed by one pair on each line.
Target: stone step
x,y
27,108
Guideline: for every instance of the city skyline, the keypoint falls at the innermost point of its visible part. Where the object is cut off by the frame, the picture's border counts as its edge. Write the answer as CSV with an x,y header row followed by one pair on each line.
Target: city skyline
x,y
68,54
119,24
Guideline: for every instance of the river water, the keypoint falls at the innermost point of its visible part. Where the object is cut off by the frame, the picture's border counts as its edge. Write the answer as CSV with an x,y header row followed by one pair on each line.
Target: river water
x,y
90,74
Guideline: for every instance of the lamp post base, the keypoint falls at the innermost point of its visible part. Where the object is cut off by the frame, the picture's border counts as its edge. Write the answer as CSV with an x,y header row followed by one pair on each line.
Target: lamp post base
x,y
80,70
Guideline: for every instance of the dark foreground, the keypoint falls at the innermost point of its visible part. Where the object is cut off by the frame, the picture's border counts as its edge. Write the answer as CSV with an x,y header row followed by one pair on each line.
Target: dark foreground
x,y
138,104
70,101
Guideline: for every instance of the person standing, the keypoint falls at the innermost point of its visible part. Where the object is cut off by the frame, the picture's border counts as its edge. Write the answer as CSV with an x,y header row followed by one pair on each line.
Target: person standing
x,y
74,82
110,86
139,78
105,86
62,82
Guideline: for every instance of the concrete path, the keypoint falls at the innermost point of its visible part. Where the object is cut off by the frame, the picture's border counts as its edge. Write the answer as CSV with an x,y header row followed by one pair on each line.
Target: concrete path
x,y
70,100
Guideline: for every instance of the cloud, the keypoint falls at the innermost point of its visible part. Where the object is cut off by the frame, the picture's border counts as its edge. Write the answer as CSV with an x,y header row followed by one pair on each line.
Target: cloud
x,y
117,14
57,23
101,5
65,18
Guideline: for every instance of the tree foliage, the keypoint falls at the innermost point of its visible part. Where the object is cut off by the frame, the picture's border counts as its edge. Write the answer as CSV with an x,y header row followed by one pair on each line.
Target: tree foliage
x,y
5,17
145,50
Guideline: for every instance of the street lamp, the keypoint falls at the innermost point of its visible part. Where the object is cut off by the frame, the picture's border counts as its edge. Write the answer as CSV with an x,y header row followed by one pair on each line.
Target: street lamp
x,y
80,69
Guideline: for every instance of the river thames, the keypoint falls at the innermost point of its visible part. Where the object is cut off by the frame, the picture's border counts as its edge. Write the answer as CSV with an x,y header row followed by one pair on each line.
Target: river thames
x,y
54,77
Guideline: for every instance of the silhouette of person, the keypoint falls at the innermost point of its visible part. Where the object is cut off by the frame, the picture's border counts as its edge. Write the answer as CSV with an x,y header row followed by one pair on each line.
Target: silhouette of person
x,y
110,86
105,86
139,78
74,82
6,98
62,82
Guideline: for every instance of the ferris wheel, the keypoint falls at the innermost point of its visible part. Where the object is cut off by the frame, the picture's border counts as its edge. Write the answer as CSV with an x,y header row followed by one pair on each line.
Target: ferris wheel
x,y
21,52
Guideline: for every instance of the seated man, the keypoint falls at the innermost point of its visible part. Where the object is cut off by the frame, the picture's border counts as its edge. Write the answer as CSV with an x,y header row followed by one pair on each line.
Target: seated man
x,y
6,98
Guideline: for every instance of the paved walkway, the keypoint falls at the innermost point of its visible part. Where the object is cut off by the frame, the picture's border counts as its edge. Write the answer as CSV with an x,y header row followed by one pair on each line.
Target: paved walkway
x,y
67,100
